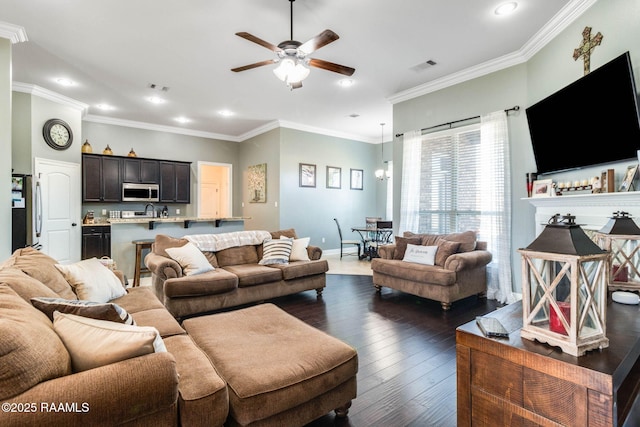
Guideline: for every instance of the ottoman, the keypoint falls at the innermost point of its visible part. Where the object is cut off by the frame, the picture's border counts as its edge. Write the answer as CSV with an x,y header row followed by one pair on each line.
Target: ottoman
x,y
279,370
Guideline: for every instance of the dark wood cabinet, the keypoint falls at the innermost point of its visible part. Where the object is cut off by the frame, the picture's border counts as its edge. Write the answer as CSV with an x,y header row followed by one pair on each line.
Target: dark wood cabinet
x,y
102,177
520,382
143,171
96,241
101,181
175,182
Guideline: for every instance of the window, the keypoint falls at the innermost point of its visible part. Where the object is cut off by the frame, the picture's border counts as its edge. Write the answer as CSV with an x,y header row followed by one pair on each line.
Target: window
x,y
449,181
457,180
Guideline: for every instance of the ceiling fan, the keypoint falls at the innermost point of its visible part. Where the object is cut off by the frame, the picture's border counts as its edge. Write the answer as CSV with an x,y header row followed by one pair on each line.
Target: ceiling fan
x,y
293,57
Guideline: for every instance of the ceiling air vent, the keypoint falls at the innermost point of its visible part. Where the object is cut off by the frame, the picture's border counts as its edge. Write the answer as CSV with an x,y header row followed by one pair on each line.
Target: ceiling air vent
x,y
424,65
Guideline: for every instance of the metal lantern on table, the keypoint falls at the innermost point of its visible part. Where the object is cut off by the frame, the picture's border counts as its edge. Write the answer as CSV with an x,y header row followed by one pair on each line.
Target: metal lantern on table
x,y
621,236
564,288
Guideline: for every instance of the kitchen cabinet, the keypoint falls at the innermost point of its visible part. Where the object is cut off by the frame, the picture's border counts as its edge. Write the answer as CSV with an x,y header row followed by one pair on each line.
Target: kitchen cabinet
x,y
102,177
141,171
101,180
96,241
175,182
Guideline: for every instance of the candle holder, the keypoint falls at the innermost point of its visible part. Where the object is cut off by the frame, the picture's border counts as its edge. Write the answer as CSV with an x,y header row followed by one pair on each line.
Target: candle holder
x,y
564,288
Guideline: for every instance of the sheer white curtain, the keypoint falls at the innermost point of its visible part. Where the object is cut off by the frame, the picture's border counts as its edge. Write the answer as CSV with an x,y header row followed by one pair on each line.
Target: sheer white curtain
x,y
410,193
496,203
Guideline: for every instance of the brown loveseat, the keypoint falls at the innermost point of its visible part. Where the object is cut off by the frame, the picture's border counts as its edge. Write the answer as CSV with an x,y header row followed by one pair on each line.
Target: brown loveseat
x,y
459,270
40,386
237,278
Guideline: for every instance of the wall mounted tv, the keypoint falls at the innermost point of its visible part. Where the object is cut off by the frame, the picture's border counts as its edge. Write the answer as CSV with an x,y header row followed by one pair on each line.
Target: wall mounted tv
x,y
592,121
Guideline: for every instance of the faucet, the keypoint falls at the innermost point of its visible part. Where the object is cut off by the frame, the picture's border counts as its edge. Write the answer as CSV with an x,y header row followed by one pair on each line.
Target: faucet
x,y
153,210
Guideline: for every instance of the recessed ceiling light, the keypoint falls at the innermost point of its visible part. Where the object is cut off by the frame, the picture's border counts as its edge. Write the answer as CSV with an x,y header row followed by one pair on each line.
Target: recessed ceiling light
x,y
225,113
65,82
346,82
104,107
506,8
182,120
156,100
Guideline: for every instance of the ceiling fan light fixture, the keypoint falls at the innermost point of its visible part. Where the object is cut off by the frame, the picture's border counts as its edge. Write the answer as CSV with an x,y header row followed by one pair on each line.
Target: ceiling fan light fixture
x,y
291,70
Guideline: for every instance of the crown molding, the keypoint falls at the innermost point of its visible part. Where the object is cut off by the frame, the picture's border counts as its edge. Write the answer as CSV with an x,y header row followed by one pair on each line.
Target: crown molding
x,y
567,15
49,95
326,132
15,33
160,128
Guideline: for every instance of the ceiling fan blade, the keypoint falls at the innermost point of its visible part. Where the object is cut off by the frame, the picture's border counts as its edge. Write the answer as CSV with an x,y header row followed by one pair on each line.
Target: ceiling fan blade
x,y
322,39
254,65
259,41
330,66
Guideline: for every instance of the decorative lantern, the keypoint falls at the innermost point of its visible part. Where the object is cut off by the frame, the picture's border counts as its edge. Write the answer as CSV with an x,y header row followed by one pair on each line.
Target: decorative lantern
x,y
621,236
564,288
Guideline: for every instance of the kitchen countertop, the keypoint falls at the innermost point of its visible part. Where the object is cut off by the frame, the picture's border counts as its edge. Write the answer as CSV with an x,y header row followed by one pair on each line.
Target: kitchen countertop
x,y
153,221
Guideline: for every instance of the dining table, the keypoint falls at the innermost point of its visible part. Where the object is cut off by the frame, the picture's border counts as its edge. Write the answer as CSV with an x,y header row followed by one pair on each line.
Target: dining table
x,y
371,238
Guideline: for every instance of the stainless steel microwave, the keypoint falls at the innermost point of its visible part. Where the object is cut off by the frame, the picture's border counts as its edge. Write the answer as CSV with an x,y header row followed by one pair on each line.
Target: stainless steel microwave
x,y
140,192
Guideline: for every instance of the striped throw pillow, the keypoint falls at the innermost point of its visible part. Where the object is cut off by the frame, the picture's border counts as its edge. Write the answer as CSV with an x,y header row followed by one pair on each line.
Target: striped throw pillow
x,y
276,251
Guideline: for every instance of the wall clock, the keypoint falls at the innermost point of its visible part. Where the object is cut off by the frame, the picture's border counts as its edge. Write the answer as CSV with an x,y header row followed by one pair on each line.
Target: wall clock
x,y
57,134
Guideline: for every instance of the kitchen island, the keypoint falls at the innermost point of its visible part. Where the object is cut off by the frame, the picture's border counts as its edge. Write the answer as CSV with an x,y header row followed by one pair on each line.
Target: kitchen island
x,y
125,230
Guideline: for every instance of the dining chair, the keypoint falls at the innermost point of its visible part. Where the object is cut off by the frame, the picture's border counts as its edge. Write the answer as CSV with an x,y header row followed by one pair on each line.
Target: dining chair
x,y
347,242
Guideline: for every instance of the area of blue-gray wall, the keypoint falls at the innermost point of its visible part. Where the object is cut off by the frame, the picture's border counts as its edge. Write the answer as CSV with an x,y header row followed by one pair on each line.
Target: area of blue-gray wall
x,y
547,71
165,146
311,210
264,148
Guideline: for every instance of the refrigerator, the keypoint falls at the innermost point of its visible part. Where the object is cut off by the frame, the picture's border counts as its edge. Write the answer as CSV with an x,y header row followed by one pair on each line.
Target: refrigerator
x,y
21,212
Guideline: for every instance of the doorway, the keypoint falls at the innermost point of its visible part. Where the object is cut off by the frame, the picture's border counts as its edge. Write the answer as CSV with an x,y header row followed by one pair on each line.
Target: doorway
x,y
214,190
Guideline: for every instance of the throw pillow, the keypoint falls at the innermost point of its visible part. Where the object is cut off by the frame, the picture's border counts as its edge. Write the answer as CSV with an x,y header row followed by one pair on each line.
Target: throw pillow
x,y
445,250
41,266
30,352
420,254
93,343
92,281
163,242
95,310
190,258
299,249
467,239
401,245
276,251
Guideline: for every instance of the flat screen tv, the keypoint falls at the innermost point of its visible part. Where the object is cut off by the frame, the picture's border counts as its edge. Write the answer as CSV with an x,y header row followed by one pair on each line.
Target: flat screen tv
x,y
592,121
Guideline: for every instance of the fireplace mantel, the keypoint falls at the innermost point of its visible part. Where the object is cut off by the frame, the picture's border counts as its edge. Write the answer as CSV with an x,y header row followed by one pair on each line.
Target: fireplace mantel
x,y
592,211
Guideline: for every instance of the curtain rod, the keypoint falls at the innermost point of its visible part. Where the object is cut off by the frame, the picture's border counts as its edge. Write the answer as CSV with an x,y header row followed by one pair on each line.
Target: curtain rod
x,y
516,108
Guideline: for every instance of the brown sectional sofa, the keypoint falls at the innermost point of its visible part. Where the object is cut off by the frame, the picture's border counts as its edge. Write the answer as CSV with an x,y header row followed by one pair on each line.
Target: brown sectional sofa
x,y
186,385
459,270
237,279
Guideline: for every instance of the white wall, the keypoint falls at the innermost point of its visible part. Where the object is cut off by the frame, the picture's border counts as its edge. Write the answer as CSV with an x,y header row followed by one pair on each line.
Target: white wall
x,y
5,147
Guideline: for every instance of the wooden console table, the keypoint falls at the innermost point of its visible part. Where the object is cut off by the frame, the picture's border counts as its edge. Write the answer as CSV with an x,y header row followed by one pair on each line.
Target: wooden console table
x,y
514,382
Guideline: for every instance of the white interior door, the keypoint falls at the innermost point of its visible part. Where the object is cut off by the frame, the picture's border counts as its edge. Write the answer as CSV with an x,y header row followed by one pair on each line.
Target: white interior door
x,y
58,209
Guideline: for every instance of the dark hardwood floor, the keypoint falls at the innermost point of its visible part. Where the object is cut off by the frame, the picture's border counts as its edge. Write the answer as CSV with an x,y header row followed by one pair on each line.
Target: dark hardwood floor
x,y
406,349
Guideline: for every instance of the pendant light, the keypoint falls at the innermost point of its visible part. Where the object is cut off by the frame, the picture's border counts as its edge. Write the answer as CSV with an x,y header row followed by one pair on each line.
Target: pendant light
x,y
381,173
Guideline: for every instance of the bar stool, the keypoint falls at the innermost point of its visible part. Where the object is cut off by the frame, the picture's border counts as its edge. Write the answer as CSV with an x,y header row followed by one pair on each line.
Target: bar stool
x,y
141,245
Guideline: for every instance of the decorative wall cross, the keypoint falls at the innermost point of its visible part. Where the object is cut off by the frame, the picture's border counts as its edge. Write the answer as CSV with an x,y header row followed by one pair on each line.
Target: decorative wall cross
x,y
584,50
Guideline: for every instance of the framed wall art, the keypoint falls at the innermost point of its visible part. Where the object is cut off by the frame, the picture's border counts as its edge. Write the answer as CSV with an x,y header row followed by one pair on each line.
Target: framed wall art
x,y
307,175
334,177
629,176
356,179
257,178
542,188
